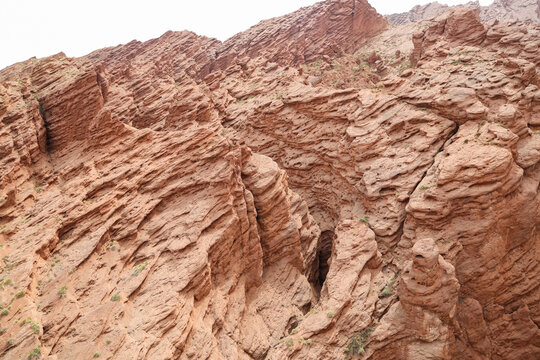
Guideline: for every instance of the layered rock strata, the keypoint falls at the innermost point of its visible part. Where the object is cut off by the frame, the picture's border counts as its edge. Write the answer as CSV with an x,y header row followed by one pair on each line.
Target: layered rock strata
x,y
505,10
273,197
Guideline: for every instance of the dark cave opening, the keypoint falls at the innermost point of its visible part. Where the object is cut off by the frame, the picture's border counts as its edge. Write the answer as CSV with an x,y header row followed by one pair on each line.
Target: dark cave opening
x,y
323,255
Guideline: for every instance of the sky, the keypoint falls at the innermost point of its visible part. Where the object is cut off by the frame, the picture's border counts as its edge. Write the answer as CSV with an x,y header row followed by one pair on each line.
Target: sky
x,y
41,28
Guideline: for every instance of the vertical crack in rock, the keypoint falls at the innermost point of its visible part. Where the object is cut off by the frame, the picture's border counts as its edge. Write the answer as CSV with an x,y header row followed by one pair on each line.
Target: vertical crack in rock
x,y
324,254
447,141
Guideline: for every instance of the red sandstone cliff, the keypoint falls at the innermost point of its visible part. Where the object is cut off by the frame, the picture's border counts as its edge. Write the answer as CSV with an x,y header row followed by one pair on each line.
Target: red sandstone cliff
x,y
301,191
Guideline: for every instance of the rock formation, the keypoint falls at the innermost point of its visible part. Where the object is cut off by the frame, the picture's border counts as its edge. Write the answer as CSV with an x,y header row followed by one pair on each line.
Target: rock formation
x,y
419,326
320,186
520,10
423,12
330,28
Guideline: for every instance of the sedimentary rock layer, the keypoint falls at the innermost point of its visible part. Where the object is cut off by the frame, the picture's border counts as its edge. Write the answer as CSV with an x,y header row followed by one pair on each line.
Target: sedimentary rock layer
x,y
520,10
275,196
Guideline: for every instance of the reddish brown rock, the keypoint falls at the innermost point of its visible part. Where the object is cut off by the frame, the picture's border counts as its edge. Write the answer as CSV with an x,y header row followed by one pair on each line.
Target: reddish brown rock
x,y
331,28
79,217
347,296
160,200
418,13
462,26
420,324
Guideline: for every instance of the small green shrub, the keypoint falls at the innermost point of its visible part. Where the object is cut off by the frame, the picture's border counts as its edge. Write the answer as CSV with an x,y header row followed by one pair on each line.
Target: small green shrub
x,y
112,245
290,342
116,297
20,294
11,342
4,312
364,219
62,291
387,291
358,342
139,268
108,341
35,326
96,354
2,331
35,354
330,314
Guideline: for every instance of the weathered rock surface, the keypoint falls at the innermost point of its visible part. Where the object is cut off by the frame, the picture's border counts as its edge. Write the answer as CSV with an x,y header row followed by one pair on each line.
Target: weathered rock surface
x,y
521,10
506,10
346,298
132,239
423,12
419,326
276,196
330,28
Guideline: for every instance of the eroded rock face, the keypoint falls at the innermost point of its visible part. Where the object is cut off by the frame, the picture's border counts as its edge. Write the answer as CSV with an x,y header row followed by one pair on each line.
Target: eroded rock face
x,y
330,28
347,296
120,239
423,12
420,325
428,281
462,26
521,10
506,10
187,199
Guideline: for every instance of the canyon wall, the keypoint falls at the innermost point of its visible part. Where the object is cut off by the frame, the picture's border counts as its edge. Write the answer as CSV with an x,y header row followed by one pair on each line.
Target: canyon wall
x,y
304,190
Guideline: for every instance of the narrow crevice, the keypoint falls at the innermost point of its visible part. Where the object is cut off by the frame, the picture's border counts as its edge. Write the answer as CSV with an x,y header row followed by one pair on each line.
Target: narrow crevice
x,y
442,148
103,83
324,254
43,115
61,335
320,265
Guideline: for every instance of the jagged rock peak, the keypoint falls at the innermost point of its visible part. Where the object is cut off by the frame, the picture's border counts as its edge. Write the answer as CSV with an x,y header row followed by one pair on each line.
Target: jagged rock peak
x,y
332,28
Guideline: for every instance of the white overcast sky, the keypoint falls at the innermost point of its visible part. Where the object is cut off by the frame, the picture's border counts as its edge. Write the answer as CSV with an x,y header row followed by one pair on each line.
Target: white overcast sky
x,y
45,27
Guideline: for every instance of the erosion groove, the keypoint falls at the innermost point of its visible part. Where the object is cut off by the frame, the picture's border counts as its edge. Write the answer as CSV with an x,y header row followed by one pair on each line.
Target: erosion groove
x,y
323,185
